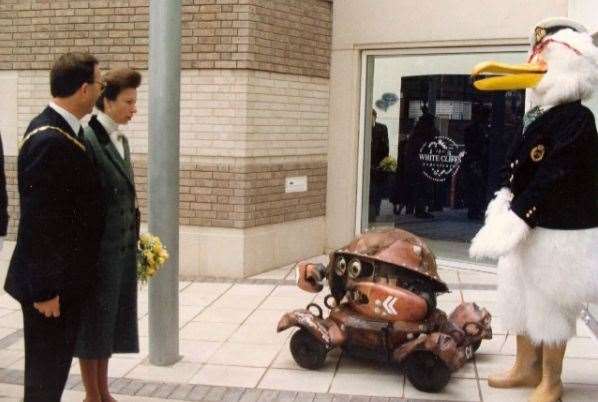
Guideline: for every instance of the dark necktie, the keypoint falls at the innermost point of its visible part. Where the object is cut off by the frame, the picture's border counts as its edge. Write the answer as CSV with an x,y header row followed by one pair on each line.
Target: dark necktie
x,y
80,134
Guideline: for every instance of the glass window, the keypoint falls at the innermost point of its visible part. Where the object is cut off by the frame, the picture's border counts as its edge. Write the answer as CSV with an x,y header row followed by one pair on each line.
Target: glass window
x,y
435,145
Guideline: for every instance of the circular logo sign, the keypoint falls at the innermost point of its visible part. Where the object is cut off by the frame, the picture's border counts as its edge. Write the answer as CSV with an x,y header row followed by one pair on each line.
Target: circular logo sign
x,y
440,158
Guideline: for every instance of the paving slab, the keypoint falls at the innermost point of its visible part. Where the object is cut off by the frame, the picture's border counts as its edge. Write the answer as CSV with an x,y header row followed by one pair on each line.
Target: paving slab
x,y
232,353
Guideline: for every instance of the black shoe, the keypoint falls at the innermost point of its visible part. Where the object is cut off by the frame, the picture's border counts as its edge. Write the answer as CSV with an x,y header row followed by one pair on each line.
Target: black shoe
x,y
424,215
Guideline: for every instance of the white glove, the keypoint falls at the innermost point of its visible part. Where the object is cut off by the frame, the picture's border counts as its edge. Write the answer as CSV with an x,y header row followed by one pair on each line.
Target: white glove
x,y
500,203
499,235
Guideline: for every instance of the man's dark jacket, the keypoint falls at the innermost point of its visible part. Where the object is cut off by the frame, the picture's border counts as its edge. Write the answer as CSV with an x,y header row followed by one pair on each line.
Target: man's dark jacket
x,y
61,216
3,195
552,170
379,144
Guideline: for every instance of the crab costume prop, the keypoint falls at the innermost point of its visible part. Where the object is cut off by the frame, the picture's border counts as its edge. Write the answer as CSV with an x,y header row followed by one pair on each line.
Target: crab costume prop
x,y
382,303
543,223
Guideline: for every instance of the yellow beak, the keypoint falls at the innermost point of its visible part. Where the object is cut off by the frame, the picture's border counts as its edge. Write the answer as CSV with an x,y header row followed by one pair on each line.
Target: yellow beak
x,y
507,76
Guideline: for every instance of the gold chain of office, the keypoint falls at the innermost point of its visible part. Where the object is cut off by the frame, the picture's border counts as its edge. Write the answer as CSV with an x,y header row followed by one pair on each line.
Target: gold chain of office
x,y
58,129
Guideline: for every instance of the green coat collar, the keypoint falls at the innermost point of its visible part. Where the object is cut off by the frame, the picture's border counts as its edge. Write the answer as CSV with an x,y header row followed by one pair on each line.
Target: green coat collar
x,y
123,165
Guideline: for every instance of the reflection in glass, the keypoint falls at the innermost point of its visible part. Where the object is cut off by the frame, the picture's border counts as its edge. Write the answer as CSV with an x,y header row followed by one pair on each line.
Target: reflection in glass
x,y
379,151
447,144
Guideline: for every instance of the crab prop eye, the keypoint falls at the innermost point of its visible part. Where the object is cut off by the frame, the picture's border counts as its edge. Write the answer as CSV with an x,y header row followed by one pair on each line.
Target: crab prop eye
x,y
341,267
355,268
417,250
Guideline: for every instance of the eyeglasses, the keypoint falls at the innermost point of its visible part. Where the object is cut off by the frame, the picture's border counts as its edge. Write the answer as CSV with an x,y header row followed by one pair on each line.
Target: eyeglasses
x,y
102,84
540,46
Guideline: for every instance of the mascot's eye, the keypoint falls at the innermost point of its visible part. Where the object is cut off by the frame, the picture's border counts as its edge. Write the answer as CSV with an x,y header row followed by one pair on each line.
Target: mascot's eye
x,y
341,267
354,268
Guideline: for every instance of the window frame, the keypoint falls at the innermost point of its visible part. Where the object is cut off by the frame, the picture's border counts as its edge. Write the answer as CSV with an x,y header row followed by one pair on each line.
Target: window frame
x,y
366,74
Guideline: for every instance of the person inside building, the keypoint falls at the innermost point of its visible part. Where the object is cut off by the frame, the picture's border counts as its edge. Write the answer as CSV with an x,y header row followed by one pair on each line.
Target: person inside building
x,y
475,162
109,318
379,151
400,197
421,189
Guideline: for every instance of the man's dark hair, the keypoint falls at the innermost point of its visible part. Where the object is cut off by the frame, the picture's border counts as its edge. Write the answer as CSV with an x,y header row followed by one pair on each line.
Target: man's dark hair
x,y
69,72
115,82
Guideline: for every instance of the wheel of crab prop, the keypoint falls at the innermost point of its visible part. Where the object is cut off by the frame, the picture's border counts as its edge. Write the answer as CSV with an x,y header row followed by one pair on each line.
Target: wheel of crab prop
x,y
313,306
426,371
307,350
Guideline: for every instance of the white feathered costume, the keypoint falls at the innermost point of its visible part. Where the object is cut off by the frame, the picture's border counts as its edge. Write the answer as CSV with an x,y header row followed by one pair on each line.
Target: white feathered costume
x,y
543,224
546,274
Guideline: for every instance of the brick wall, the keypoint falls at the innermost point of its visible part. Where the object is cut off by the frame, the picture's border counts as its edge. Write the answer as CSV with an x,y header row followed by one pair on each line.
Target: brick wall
x,y
285,36
292,36
242,133
286,115
242,196
224,113
222,195
254,96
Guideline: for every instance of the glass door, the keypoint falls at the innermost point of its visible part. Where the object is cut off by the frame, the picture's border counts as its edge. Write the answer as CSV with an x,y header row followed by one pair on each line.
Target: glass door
x,y
433,146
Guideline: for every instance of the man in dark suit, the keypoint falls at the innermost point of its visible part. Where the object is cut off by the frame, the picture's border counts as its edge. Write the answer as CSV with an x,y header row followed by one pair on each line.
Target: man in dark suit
x,y
54,262
379,151
475,162
420,188
3,199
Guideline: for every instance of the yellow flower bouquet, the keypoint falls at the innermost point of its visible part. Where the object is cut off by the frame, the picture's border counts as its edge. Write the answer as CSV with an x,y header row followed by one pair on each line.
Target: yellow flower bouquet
x,y
388,164
151,255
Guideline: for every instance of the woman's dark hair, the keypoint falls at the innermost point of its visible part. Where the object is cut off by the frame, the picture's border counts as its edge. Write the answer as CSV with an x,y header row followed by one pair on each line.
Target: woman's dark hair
x,y
115,82
69,72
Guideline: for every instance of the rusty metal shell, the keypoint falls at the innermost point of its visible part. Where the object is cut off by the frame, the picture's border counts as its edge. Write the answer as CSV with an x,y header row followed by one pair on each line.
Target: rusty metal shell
x,y
472,320
442,345
388,303
325,330
309,276
397,248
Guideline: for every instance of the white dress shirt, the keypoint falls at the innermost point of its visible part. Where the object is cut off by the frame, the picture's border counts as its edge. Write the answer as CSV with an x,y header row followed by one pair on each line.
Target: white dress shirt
x,y
70,118
111,128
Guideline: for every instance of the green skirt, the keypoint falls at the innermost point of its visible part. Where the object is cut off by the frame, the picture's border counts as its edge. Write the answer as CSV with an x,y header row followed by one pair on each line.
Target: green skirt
x,y
109,314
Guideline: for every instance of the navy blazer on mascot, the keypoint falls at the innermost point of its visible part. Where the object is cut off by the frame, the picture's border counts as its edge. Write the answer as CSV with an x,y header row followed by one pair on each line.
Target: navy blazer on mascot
x,y
543,223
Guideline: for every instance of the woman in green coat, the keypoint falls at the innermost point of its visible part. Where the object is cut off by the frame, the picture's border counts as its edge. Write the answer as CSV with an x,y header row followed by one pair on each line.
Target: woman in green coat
x,y
109,318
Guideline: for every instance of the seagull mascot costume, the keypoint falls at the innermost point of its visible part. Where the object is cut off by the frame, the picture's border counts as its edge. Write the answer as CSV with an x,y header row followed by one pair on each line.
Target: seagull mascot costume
x,y
543,223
